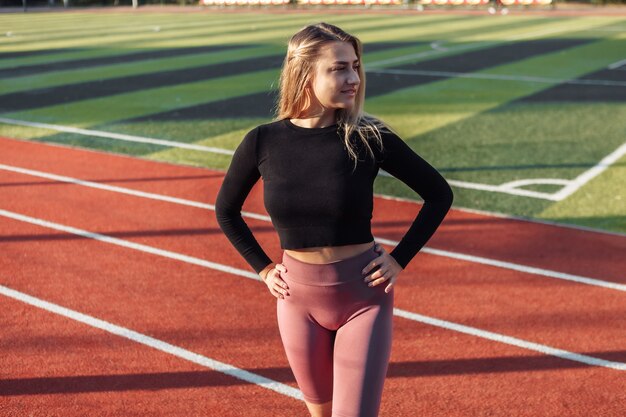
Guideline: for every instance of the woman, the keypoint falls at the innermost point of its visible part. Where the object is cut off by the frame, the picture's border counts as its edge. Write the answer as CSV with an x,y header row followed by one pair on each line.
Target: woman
x,y
318,161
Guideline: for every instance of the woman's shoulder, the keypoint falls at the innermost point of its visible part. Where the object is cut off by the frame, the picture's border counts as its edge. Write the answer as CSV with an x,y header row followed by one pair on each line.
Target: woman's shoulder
x,y
269,127
256,133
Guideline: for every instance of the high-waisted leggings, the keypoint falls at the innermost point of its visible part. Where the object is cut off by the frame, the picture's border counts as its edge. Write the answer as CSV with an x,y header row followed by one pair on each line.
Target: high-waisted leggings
x,y
336,331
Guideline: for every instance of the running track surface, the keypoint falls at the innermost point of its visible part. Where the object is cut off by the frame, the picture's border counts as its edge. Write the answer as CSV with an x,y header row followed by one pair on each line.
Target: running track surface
x,y
55,366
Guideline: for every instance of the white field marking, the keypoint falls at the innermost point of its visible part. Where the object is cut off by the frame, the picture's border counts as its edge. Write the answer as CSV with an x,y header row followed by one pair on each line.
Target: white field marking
x,y
617,64
509,216
513,187
470,46
496,337
589,360
437,45
437,252
462,184
591,173
501,77
522,183
191,203
504,188
116,136
423,54
157,344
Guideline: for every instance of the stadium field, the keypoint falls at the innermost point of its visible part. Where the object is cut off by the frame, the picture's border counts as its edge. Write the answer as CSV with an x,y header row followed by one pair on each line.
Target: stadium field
x,y
518,112
120,296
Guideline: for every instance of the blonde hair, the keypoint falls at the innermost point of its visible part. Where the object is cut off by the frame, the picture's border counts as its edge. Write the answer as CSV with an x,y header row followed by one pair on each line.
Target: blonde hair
x,y
298,67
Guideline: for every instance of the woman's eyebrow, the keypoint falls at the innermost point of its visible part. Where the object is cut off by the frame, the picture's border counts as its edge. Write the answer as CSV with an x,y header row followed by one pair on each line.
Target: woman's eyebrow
x,y
344,62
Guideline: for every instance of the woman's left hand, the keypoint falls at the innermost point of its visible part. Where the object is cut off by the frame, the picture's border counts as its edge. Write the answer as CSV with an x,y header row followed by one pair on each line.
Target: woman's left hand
x,y
388,271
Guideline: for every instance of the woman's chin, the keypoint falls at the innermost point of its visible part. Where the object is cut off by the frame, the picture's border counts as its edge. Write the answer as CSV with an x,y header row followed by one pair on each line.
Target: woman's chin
x,y
344,104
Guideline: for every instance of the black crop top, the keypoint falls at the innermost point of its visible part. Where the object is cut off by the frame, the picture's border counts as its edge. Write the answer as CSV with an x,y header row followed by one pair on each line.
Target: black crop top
x,y
313,196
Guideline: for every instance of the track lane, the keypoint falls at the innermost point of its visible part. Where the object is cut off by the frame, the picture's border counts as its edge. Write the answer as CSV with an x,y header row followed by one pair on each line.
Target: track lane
x,y
458,291
433,370
539,245
425,365
55,366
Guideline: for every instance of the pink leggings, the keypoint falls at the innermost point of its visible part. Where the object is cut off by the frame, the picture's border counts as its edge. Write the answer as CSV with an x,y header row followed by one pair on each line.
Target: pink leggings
x,y
336,332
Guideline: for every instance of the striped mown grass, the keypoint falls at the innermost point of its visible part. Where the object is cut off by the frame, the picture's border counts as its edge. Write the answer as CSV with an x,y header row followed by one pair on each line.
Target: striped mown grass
x,y
486,99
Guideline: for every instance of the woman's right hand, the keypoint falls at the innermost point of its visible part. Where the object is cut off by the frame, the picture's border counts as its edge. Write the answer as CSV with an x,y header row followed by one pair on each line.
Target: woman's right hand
x,y
278,288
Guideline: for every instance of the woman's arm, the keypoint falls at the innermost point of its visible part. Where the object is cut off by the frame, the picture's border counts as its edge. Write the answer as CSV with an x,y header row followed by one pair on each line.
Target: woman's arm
x,y
241,176
403,163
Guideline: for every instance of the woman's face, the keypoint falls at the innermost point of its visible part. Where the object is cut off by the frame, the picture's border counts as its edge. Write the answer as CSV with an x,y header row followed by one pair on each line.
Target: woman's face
x,y
336,80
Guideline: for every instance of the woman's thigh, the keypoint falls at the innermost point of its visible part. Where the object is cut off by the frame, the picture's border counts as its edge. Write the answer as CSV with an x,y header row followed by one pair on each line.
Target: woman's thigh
x,y
309,350
361,357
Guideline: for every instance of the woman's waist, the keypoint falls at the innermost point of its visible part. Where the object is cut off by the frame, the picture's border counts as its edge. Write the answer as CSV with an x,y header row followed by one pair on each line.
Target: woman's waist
x,y
329,254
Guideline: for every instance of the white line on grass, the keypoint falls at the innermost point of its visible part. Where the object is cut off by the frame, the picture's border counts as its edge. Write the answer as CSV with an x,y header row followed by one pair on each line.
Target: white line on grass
x,y
503,188
588,360
506,188
129,138
465,47
591,173
500,77
157,344
417,55
617,64
437,252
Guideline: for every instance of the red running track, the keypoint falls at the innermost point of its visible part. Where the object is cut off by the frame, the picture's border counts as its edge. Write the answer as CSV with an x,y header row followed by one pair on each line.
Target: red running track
x,y
57,366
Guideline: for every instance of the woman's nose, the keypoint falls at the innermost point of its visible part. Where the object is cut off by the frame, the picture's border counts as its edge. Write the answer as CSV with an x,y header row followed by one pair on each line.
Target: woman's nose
x,y
354,78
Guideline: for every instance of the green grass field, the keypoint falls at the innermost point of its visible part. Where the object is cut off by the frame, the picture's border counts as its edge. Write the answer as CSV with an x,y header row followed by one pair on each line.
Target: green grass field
x,y
488,100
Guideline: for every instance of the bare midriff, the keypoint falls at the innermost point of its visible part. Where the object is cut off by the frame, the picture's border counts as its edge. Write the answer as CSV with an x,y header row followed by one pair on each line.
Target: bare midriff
x,y
328,254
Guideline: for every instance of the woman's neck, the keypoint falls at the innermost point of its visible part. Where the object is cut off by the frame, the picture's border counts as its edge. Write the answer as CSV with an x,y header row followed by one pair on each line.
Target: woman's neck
x,y
315,120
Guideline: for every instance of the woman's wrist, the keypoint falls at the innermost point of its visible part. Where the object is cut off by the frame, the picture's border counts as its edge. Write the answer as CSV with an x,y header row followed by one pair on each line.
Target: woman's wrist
x,y
265,272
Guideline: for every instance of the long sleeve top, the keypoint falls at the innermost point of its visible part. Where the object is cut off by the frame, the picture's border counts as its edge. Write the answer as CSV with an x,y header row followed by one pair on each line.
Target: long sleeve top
x,y
315,197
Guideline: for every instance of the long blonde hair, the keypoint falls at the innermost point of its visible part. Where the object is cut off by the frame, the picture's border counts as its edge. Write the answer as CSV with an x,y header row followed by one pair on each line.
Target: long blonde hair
x,y
298,67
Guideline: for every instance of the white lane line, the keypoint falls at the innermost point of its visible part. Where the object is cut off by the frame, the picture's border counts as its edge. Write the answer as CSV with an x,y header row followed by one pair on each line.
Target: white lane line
x,y
589,360
157,344
591,173
526,269
501,77
116,136
437,252
123,190
130,245
496,337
